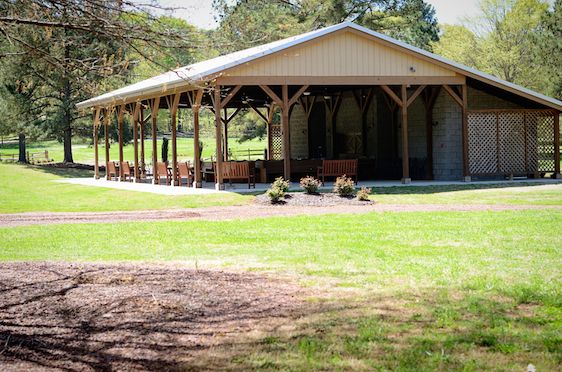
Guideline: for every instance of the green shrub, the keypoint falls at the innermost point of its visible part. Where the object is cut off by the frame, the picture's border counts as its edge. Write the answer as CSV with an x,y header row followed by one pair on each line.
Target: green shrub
x,y
364,193
310,184
275,194
344,186
281,184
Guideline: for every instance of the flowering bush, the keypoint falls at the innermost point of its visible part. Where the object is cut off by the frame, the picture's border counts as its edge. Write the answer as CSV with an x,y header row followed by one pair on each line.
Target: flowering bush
x,y
310,184
344,186
275,194
281,184
363,194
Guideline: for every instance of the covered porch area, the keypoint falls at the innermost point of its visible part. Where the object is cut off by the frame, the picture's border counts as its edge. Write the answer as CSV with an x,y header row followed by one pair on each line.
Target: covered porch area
x,y
339,93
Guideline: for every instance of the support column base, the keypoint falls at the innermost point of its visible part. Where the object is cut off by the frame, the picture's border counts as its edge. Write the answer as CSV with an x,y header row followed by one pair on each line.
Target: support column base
x,y
219,186
197,185
96,177
467,179
406,180
136,180
558,176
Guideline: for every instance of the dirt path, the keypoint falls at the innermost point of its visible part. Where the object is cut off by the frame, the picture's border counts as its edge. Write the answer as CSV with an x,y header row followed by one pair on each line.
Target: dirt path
x,y
239,212
108,317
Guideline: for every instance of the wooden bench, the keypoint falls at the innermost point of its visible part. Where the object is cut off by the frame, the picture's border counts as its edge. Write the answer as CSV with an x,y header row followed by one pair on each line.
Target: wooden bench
x,y
111,169
337,168
239,171
38,157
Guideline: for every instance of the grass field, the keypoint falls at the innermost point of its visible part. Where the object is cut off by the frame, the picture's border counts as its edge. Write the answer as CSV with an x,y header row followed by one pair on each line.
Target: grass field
x,y
32,189
83,152
43,194
399,291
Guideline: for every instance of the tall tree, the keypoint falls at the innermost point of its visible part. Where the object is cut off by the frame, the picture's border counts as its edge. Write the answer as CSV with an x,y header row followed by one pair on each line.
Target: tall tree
x,y
548,49
244,23
74,46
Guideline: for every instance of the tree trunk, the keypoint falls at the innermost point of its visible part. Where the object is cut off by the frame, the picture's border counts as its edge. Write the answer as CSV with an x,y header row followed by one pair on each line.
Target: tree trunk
x,y
67,115
22,157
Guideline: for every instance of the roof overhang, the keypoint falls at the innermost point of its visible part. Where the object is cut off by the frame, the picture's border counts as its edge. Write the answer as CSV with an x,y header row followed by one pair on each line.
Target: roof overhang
x,y
202,73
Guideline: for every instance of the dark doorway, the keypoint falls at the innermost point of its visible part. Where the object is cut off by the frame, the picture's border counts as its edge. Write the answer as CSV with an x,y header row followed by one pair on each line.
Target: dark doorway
x,y
317,132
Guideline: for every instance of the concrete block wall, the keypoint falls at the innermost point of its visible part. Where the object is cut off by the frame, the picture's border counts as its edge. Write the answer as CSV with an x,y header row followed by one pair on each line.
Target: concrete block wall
x,y
298,129
480,100
416,130
447,139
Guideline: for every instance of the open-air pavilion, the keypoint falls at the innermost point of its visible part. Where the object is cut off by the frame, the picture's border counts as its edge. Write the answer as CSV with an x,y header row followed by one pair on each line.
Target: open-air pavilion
x,y
346,92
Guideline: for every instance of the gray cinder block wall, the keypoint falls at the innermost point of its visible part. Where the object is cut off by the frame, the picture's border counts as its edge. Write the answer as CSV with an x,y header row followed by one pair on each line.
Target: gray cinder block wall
x,y
447,139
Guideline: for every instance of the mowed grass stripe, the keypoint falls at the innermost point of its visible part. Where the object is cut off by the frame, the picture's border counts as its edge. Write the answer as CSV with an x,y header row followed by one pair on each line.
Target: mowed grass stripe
x,y
478,249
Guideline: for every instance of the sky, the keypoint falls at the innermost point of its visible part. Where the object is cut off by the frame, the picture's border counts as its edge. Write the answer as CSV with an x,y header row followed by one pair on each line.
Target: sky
x,y
200,12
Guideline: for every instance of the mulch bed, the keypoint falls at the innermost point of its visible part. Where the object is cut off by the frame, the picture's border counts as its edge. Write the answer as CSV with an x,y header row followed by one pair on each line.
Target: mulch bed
x,y
131,317
312,200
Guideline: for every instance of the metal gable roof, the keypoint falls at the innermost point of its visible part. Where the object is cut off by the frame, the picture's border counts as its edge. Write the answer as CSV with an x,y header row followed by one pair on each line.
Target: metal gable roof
x,y
206,70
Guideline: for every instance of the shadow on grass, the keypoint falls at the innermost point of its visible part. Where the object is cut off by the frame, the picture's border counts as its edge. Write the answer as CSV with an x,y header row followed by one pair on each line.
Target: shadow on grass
x,y
433,330
62,171
71,316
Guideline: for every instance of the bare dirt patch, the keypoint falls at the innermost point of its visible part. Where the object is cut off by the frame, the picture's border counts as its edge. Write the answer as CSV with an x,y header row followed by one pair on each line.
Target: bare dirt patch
x,y
245,212
131,317
313,200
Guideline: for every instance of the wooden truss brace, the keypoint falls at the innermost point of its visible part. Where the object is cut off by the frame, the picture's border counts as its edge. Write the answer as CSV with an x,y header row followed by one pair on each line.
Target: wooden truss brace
x,y
453,95
307,104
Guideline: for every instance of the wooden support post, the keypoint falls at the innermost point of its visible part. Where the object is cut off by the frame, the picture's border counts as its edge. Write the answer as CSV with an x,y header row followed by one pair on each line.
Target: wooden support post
x,y
270,112
174,116
285,128
465,165
195,107
106,118
120,113
225,153
430,97
155,104
142,135
557,174
332,106
405,154
136,114
219,185
96,154
363,100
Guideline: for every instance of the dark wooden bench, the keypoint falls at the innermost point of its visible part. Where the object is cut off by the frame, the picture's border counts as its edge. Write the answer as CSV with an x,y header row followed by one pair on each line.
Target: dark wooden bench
x,y
111,169
239,171
337,168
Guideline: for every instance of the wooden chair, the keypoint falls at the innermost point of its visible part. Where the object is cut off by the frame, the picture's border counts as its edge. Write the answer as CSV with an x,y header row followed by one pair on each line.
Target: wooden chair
x,y
239,170
163,171
185,172
337,168
127,171
111,169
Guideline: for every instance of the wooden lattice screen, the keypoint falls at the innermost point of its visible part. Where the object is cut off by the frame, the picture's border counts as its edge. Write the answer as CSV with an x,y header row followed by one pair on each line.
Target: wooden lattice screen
x,y
276,142
518,142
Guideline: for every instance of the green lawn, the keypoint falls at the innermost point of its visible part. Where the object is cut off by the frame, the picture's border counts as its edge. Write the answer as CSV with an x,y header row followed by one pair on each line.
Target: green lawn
x,y
43,194
83,152
32,189
408,291
386,291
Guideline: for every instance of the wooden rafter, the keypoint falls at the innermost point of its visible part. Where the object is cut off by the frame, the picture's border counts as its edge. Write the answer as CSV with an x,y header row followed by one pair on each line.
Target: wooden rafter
x,y
363,99
230,95
272,95
257,111
415,94
392,95
453,94
297,95
307,103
